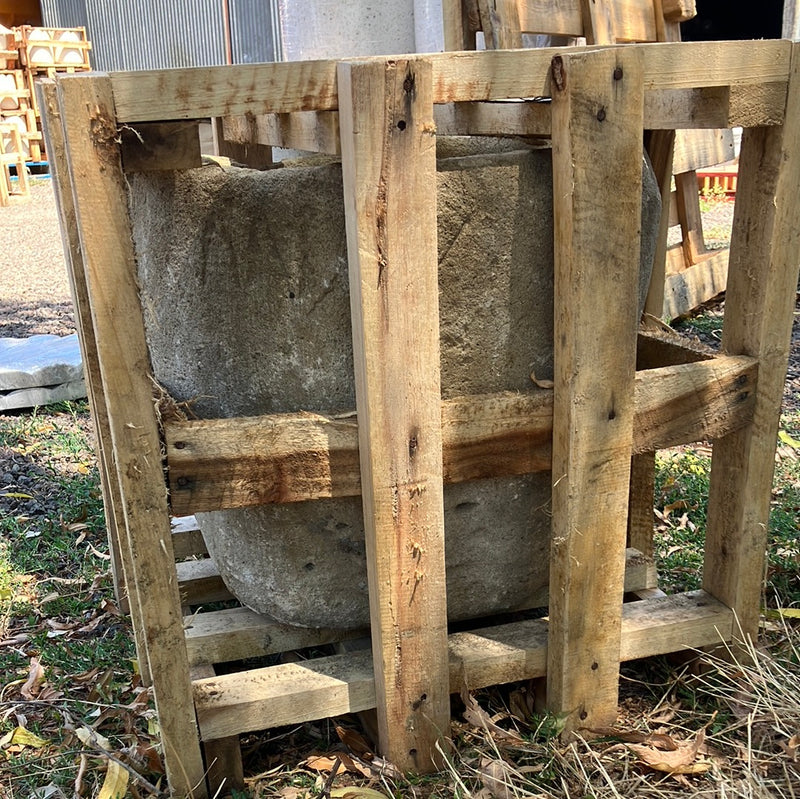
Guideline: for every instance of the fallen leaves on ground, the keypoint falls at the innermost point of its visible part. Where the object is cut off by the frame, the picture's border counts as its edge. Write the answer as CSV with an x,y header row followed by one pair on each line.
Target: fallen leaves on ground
x,y
474,714
680,758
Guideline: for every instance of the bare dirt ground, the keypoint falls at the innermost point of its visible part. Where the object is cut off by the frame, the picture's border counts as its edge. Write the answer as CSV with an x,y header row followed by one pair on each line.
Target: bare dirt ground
x,y
34,289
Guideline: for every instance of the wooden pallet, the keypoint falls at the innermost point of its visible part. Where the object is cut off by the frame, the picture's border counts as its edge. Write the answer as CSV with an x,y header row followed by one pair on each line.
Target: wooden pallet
x,y
53,47
12,155
600,412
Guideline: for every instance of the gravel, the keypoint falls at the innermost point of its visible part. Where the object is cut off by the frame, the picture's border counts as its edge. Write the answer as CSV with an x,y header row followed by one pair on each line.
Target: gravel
x,y
34,287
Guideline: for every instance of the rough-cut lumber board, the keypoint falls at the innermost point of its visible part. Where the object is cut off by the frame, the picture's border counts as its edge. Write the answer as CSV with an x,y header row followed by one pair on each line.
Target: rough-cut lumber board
x,y
458,77
759,306
187,540
98,183
693,286
696,407
679,10
199,582
667,110
250,153
297,692
655,349
112,504
500,24
598,103
599,23
228,463
163,146
316,132
791,19
690,218
697,149
238,633
223,756
389,177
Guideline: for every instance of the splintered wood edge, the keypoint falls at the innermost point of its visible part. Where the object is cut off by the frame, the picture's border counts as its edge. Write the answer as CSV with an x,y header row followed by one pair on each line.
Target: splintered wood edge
x,y
227,463
238,633
152,95
323,687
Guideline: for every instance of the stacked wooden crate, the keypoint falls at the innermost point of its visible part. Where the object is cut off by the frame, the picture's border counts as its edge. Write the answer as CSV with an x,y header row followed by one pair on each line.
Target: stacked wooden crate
x,y
29,53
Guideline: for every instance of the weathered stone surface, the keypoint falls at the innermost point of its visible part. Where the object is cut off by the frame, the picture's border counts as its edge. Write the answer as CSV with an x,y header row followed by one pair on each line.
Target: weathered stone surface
x,y
245,282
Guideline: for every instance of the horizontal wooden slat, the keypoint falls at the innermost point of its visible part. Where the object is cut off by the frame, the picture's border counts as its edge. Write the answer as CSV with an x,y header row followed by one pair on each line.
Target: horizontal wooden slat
x,y
697,149
238,633
314,131
284,87
227,463
199,582
691,287
331,686
187,540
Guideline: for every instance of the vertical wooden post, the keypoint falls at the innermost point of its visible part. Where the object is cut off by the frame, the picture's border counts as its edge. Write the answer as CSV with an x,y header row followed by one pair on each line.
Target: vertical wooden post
x,y
59,170
87,111
759,306
388,161
598,21
597,130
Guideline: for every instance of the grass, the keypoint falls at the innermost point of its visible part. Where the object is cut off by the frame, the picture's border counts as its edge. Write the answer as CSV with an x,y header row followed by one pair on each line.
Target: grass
x,y
66,656
682,482
68,668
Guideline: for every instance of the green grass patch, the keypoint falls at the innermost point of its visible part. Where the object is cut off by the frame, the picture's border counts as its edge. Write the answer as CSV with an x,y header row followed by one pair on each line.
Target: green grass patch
x,y
681,503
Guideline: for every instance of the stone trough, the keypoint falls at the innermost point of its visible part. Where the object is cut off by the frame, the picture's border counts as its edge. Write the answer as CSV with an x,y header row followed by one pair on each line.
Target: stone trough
x,y
245,289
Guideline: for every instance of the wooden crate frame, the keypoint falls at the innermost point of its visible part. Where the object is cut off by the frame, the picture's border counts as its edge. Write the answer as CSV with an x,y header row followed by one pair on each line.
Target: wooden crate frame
x,y
380,113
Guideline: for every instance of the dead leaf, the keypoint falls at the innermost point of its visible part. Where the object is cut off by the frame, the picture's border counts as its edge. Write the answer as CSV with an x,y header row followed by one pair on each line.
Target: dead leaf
x,y
354,792
20,737
792,747
541,383
93,739
495,775
35,679
326,763
474,714
354,742
682,760
658,740
115,785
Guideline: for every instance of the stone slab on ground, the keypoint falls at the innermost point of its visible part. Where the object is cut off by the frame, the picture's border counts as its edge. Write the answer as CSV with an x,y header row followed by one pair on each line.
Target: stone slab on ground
x,y
40,370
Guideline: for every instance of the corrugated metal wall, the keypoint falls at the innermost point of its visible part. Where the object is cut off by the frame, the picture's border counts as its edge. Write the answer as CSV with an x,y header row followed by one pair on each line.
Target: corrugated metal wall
x,y
252,31
156,34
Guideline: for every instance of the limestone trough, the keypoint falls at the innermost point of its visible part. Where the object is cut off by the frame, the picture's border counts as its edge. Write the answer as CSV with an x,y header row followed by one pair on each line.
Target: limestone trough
x,y
245,283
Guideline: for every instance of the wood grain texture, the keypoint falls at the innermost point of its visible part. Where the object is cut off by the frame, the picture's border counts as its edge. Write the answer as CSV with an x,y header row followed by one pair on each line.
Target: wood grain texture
x,y
598,21
121,568
698,149
297,692
98,183
389,176
231,463
695,285
161,146
597,128
759,305
457,77
500,24
312,131
244,150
